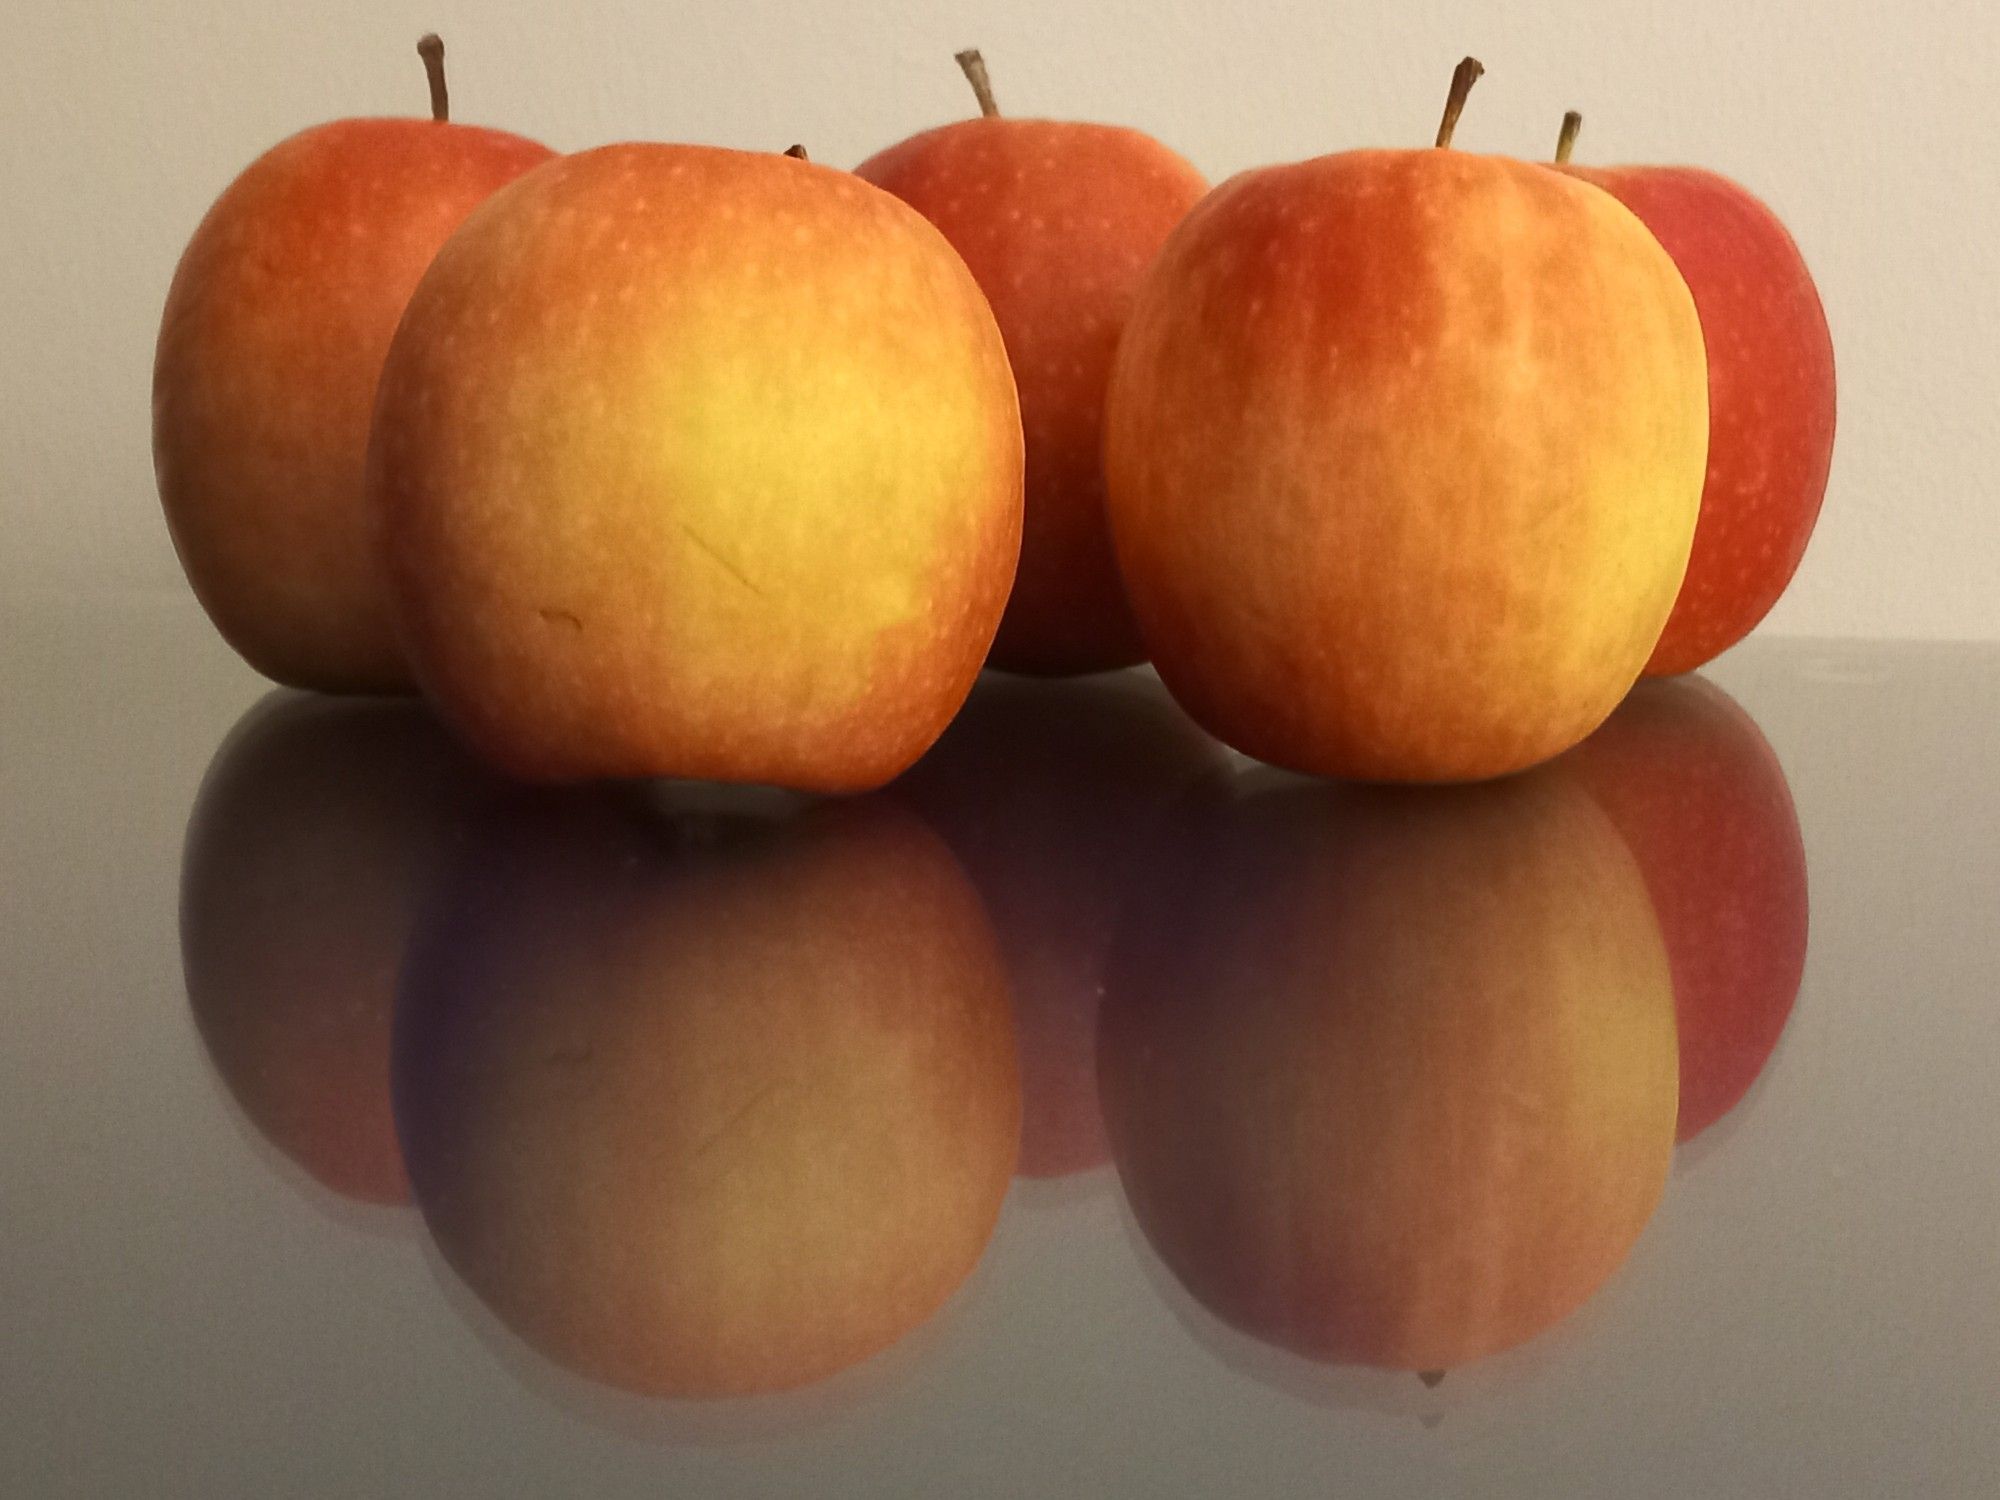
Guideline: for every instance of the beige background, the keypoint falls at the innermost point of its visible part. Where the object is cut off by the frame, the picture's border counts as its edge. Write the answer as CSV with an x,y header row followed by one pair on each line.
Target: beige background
x,y
1866,126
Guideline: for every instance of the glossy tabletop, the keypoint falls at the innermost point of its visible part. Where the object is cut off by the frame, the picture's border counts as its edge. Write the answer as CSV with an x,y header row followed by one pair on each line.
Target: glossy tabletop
x,y
1089,1113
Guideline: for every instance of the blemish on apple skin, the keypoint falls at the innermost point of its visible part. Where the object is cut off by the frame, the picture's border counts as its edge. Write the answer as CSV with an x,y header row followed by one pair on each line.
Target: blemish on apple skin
x,y
722,562
560,617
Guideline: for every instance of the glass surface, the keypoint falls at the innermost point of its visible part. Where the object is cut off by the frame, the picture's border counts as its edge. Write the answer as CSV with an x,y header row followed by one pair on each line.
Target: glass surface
x,y
1089,1113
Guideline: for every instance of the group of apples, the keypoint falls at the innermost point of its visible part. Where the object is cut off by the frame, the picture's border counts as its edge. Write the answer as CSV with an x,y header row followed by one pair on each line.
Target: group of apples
x,y
712,1090
667,460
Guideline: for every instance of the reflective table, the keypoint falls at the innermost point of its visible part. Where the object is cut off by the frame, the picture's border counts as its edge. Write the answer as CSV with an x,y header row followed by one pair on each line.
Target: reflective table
x,y
1091,1112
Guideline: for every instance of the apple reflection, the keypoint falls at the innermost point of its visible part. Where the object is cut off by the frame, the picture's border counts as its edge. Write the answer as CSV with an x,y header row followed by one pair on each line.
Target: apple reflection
x,y
1703,803
318,828
1390,1075
704,1091
1049,793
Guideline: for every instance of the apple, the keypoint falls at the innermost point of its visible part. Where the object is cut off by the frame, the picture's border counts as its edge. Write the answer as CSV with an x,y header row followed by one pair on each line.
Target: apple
x,y
1770,396
1058,221
1404,451
1050,792
1702,800
1389,1073
318,831
712,1096
698,463
276,324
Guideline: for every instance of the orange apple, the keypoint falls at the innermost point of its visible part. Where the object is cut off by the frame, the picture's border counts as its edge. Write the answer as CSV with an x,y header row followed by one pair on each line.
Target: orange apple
x,y
1049,793
698,463
1389,1074
275,329
712,1097
318,831
1405,450
1058,221
1703,802
1770,396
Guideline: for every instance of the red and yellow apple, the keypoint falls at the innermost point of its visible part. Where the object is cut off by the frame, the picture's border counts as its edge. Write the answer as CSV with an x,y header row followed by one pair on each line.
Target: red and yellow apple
x,y
1770,397
1703,803
1049,793
698,463
318,832
707,1098
1389,1074
1058,221
1404,452
274,333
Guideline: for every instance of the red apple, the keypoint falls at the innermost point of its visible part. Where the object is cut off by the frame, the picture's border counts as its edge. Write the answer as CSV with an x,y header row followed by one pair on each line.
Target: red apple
x,y
698,463
1058,221
275,329
1404,452
1770,397
1703,803
1389,1074
712,1096
1049,793
319,830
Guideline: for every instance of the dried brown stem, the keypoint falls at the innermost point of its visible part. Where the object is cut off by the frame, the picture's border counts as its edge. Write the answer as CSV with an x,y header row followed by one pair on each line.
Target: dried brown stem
x,y
1463,77
982,86
1566,137
431,49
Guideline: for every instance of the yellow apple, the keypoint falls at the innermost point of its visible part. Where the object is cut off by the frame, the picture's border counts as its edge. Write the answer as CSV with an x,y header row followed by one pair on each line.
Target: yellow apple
x,y
698,463
1404,453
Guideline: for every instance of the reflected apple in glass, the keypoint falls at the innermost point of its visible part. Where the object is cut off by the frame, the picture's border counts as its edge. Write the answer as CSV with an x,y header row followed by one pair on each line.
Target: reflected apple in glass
x,y
1389,1074
1702,800
1048,793
707,1092
318,829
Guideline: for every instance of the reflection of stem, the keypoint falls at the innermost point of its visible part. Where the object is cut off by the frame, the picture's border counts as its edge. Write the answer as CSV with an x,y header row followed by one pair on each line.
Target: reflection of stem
x,y
1431,1378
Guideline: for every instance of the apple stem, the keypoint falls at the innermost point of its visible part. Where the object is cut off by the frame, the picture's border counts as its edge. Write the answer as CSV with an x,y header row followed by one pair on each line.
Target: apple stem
x,y
1566,137
797,153
431,49
1463,77
982,86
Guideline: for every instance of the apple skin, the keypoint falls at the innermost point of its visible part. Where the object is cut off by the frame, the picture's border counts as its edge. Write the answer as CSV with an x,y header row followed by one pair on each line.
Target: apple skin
x,y
1058,221
1050,793
1703,803
1390,1075
707,1103
698,463
276,325
1404,453
320,827
1771,400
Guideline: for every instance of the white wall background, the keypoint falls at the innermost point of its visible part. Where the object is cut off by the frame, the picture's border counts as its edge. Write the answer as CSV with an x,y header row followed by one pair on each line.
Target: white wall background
x,y
1867,126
